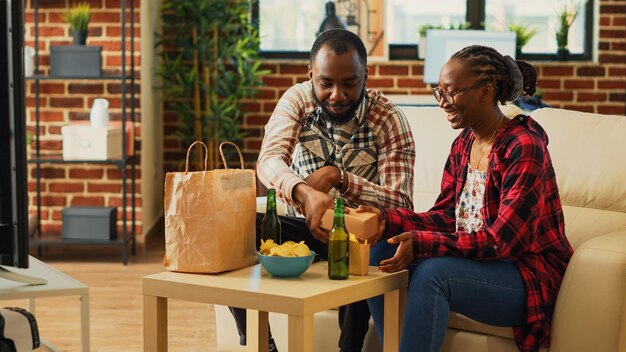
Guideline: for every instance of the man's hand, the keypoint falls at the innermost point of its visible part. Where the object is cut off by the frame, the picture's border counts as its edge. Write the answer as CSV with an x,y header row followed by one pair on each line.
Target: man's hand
x,y
313,204
323,179
404,254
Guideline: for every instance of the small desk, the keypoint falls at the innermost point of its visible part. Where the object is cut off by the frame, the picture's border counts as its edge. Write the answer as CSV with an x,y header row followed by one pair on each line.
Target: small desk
x,y
254,289
59,284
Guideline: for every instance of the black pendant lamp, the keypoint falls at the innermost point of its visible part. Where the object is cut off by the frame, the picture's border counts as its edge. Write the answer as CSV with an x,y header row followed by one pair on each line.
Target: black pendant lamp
x,y
331,21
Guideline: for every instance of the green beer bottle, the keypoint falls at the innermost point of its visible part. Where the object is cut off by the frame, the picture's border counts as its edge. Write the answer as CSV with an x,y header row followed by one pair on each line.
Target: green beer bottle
x,y
338,268
270,227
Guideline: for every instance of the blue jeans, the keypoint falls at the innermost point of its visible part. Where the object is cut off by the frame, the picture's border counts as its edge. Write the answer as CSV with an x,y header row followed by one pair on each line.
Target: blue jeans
x,y
489,292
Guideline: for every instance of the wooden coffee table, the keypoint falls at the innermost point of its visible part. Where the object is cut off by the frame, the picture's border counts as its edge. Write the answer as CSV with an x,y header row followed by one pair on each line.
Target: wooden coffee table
x,y
254,289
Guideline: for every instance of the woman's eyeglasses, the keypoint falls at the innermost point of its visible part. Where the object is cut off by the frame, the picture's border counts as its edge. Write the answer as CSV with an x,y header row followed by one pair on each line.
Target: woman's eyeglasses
x,y
448,97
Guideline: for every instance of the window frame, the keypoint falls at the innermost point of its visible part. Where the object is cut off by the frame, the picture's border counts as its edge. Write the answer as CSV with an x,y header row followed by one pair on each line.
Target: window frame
x,y
475,15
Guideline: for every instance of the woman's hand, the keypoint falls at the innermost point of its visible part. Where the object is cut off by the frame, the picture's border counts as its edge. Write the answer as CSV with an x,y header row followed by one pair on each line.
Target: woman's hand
x,y
404,254
379,216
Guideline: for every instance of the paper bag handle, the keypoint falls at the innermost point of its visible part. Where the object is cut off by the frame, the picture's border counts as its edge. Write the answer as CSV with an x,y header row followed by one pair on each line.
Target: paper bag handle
x,y
238,152
206,154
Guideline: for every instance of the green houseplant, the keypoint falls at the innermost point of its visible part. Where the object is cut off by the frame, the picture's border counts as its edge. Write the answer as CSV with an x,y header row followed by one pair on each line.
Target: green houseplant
x,y
523,33
209,65
566,18
78,17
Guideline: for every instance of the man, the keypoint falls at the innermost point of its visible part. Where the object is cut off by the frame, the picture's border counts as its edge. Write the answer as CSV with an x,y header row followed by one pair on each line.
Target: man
x,y
330,137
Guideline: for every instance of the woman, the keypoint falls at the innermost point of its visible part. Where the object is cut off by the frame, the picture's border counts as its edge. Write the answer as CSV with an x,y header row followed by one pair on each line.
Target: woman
x,y
493,246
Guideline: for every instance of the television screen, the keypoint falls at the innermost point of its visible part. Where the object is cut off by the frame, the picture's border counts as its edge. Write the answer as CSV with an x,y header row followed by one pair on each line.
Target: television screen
x,y
441,44
13,172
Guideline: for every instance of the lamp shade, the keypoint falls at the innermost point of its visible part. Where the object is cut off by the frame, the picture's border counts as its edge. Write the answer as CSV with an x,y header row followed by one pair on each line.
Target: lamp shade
x,y
332,21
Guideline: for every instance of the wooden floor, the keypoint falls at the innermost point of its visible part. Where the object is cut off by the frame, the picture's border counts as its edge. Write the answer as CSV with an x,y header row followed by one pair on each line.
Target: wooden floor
x,y
116,303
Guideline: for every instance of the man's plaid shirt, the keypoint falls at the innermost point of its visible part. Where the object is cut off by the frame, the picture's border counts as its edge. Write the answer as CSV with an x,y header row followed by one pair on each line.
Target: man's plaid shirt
x,y
522,216
375,148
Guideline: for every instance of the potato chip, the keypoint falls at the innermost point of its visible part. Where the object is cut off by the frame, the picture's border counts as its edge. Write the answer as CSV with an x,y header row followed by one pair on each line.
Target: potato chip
x,y
266,246
301,250
287,249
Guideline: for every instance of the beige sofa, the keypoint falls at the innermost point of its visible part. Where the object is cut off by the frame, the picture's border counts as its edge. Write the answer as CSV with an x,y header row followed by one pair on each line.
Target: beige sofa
x,y
589,156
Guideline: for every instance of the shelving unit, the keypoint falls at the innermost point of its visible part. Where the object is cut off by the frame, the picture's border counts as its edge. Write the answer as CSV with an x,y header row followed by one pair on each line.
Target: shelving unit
x,y
127,80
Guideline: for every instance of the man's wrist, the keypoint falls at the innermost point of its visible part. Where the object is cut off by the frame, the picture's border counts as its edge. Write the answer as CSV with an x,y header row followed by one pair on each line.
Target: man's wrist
x,y
298,193
340,183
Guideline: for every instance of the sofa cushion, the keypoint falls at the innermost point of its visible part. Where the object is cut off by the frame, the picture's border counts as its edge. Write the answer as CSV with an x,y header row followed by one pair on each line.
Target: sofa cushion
x,y
588,156
433,138
461,322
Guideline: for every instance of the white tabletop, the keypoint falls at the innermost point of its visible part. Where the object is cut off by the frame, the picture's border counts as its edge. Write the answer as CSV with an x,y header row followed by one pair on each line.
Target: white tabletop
x,y
59,284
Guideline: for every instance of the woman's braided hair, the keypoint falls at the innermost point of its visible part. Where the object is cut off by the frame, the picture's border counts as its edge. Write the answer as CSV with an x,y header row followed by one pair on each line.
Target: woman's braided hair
x,y
489,65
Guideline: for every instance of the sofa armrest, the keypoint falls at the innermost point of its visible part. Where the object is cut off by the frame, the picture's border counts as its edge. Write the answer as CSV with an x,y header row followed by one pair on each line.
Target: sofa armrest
x,y
590,310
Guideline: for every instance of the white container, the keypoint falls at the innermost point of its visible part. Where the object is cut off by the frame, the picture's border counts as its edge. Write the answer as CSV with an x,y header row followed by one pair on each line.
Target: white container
x,y
85,142
99,114
29,61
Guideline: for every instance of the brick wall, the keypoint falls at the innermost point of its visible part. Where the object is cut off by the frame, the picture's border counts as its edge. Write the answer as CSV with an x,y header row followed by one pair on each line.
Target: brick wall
x,y
586,86
63,101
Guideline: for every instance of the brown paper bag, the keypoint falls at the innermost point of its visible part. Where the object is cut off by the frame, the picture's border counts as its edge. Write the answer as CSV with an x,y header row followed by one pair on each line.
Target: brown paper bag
x,y
210,218
359,255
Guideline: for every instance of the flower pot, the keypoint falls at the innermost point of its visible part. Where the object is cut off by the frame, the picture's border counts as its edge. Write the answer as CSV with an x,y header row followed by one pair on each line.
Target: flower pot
x,y
562,54
80,37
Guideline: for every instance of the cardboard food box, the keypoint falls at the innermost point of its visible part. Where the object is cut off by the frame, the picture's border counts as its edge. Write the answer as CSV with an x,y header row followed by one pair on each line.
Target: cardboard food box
x,y
363,225
359,255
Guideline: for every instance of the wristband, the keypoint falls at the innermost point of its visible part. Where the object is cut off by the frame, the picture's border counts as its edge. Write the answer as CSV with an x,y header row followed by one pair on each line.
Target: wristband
x,y
341,180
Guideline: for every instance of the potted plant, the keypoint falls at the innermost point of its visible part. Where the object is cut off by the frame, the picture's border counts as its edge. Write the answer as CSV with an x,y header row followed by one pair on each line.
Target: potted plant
x,y
566,18
78,60
523,33
78,16
210,65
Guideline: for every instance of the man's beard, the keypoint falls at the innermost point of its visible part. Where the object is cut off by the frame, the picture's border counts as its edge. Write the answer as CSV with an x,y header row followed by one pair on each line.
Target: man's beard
x,y
339,120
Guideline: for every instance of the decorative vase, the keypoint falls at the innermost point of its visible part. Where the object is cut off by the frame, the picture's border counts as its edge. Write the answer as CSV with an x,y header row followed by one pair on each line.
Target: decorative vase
x,y
29,61
99,114
562,54
80,37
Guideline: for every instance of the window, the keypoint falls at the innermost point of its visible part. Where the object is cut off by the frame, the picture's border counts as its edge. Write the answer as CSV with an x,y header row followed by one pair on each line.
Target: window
x,y
542,15
404,18
288,27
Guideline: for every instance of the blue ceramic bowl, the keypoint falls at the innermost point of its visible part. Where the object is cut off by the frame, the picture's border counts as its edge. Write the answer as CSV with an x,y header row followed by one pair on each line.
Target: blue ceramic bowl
x,y
286,266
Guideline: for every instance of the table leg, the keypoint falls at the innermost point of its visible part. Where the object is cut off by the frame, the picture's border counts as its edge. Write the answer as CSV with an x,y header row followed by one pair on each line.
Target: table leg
x,y
300,333
393,320
154,324
257,331
84,322
31,306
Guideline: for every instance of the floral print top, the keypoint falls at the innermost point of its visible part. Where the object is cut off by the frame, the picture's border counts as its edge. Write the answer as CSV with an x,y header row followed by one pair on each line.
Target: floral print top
x,y
468,214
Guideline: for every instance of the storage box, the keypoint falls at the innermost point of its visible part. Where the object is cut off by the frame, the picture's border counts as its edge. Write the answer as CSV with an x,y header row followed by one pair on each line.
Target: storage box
x,y
85,142
363,225
76,61
89,223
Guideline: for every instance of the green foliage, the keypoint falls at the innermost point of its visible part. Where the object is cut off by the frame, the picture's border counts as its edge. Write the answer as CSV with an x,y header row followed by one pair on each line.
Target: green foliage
x,y
460,26
227,69
78,16
524,32
566,18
